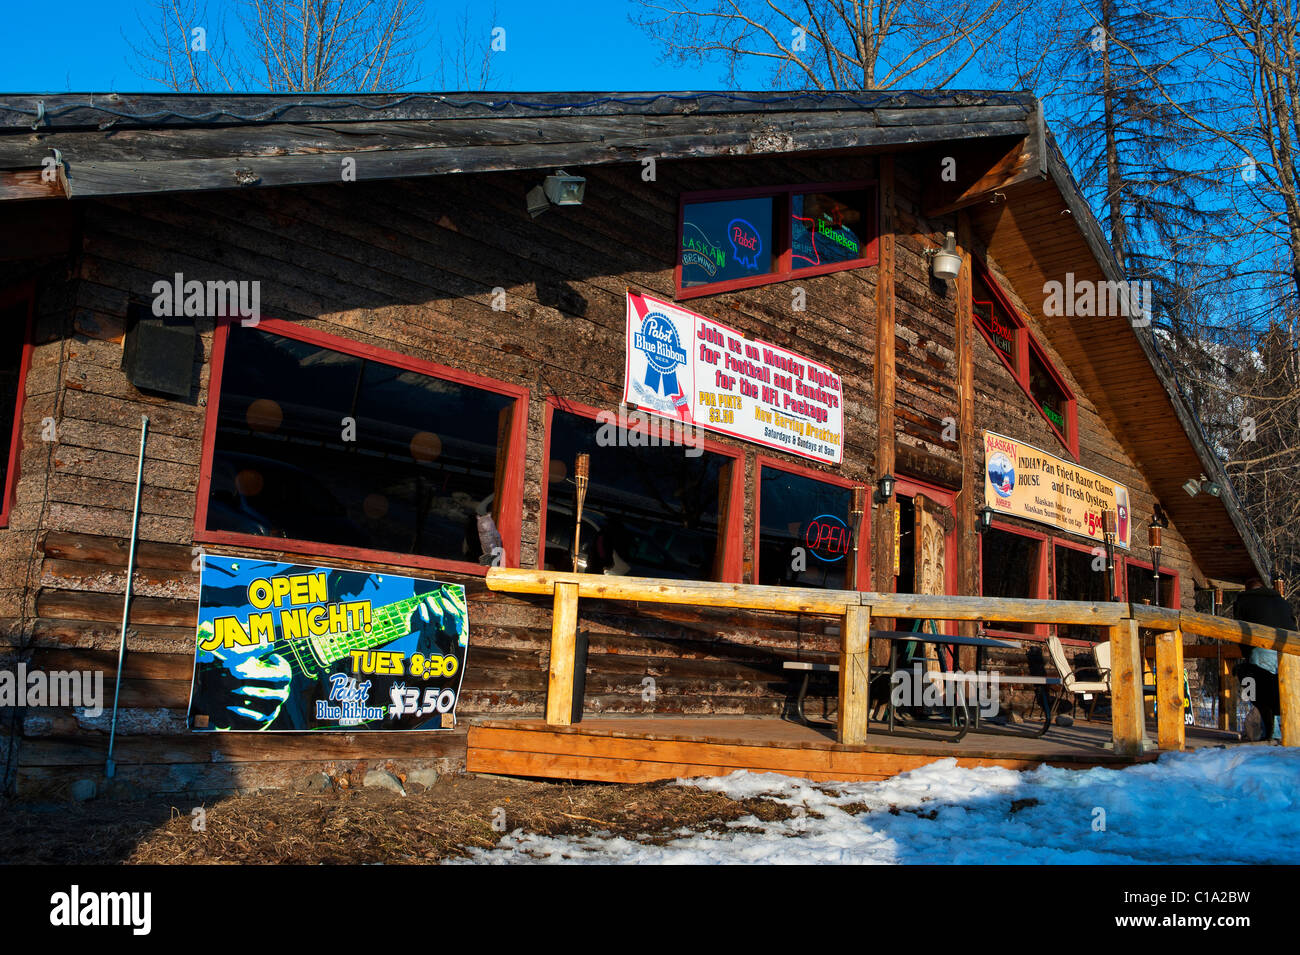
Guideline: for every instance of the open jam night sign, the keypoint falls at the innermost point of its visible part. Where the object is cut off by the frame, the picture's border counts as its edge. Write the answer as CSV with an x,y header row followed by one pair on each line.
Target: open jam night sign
x,y
684,366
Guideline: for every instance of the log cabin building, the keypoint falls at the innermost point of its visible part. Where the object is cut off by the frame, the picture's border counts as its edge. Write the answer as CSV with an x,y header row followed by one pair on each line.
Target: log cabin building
x,y
400,280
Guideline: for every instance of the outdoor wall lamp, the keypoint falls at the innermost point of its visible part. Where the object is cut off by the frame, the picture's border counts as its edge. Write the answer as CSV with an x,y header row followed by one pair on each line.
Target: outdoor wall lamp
x,y
1193,486
946,263
983,519
560,189
884,489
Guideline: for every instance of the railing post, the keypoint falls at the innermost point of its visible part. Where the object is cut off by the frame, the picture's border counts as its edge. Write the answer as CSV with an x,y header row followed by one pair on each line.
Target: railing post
x,y
564,638
1288,688
1127,727
855,675
1169,690
1227,696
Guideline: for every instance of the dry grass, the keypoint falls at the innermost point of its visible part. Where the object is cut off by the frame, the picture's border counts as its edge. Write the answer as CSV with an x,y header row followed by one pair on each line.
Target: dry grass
x,y
446,821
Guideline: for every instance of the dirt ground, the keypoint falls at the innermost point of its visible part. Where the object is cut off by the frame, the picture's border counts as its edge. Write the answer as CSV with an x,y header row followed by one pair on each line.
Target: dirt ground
x,y
446,821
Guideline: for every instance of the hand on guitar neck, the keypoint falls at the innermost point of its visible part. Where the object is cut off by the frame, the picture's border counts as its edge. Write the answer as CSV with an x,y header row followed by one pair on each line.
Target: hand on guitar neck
x,y
252,690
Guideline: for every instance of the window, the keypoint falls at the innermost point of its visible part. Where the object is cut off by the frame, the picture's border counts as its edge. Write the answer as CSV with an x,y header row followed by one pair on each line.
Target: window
x,y
1075,579
1011,566
652,509
1007,333
726,240
806,530
828,228
361,452
15,356
743,238
1141,583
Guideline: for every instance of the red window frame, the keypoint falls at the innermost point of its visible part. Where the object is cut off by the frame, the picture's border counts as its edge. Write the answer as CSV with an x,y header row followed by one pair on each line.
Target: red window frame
x,y
23,291
512,486
863,568
783,270
733,536
1038,584
1165,572
1025,342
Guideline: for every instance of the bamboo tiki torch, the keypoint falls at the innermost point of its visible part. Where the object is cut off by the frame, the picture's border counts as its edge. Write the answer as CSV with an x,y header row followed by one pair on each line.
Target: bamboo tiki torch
x,y
1110,527
856,510
581,470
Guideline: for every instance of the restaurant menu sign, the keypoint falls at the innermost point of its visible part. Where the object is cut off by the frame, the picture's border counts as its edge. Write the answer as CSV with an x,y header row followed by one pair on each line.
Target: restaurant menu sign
x,y
699,372
293,647
1024,481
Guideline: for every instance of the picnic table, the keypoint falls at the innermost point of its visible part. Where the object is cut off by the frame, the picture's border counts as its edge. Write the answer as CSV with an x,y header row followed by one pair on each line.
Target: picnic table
x,y
897,637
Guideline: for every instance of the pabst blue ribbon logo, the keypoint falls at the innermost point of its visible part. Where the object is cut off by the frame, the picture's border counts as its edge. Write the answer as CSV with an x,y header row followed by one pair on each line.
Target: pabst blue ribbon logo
x,y
663,351
746,243
1002,474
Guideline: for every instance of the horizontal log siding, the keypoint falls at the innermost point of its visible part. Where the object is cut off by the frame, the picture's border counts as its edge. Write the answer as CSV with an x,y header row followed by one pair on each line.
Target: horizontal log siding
x,y
409,267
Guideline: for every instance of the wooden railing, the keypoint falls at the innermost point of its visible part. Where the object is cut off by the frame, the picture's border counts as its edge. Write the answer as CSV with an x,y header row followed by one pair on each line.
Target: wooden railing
x,y
856,608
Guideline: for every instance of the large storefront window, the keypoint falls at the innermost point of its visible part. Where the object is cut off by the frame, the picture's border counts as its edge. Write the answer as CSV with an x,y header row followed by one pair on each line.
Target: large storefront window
x,y
652,509
1010,567
320,445
1076,579
805,532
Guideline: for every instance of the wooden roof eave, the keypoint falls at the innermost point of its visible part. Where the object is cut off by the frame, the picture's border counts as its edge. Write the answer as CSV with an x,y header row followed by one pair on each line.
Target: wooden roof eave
x,y
306,142
1090,230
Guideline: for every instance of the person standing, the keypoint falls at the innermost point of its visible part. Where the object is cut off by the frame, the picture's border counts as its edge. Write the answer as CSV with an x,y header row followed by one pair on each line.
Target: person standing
x,y
1266,606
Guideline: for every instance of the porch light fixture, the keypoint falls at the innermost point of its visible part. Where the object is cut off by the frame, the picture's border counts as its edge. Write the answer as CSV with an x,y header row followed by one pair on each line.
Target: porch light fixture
x,y
1192,486
560,189
884,489
983,519
946,263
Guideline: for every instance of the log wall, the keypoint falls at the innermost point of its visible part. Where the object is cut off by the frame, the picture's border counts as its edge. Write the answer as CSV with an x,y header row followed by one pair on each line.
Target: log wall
x,y
411,266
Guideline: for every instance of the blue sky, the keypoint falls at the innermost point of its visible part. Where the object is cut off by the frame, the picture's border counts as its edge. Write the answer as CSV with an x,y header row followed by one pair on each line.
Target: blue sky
x,y
588,46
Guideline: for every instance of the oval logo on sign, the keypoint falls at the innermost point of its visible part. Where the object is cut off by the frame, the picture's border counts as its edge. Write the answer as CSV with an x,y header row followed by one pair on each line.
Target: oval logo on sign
x,y
828,538
746,243
1002,474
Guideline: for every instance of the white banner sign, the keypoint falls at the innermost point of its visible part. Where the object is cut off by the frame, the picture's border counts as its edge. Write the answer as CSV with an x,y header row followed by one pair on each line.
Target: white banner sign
x,y
697,371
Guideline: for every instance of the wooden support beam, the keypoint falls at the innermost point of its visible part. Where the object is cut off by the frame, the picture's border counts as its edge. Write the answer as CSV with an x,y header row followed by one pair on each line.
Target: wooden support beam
x,y
882,517
1127,728
1288,687
1239,631
971,496
1169,689
855,676
564,643
1227,697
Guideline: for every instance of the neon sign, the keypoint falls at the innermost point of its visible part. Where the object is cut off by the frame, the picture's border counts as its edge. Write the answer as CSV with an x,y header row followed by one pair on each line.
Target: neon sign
x,y
828,538
746,243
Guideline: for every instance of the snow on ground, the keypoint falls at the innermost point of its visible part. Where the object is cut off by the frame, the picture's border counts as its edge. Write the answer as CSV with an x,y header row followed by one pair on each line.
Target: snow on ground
x,y
1238,805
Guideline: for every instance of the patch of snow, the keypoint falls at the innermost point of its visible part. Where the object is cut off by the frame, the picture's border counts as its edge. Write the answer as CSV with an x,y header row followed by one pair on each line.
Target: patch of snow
x,y
1209,806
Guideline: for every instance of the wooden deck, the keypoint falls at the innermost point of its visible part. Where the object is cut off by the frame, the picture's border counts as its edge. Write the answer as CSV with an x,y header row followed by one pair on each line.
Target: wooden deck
x,y
649,748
